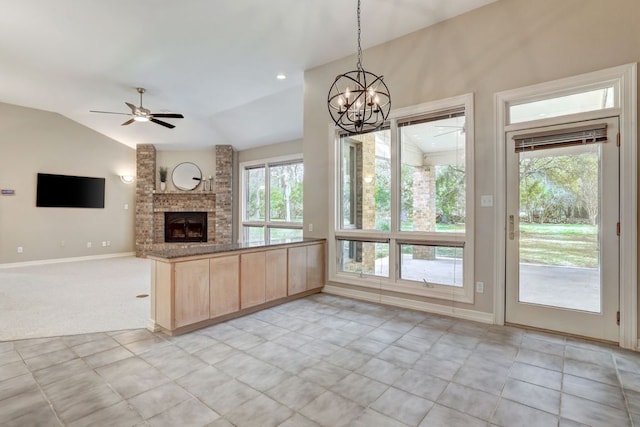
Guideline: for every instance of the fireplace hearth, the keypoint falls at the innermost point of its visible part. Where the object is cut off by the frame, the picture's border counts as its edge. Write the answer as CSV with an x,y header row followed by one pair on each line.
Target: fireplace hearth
x,y
185,227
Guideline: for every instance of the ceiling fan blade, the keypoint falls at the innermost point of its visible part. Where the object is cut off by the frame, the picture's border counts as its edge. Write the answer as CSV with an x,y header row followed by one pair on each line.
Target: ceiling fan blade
x,y
447,132
168,115
128,122
109,112
133,107
165,124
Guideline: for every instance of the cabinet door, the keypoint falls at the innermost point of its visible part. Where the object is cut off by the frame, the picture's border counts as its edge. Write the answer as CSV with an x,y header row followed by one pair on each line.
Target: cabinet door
x,y
224,282
315,266
191,292
297,280
252,279
162,294
276,274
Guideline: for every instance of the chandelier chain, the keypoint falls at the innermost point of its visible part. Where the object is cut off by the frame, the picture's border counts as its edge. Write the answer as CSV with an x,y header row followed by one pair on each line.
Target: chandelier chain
x,y
359,65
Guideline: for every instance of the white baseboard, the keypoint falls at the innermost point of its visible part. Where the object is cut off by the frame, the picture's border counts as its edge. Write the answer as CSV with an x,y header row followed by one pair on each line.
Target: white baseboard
x,y
61,260
460,313
152,326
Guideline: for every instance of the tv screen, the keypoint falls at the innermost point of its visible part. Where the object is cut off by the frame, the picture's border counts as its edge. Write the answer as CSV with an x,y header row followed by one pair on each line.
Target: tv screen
x,y
64,191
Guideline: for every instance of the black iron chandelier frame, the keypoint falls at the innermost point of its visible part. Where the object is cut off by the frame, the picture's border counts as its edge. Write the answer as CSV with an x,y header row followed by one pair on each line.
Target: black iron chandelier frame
x,y
359,101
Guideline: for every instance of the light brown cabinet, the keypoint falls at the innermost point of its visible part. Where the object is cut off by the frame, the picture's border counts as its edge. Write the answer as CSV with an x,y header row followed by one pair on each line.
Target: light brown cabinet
x,y
193,291
224,283
306,268
276,274
263,277
252,279
297,270
315,266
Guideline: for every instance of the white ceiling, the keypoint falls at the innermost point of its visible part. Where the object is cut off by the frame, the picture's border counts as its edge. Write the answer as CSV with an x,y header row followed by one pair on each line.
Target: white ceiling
x,y
215,61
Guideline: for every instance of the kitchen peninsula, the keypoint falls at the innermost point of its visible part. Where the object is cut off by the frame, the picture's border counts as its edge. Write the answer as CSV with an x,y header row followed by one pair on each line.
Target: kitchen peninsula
x,y
197,286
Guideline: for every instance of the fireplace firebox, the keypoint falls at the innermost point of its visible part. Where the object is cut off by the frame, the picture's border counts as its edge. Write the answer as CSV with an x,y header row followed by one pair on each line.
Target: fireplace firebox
x,y
185,227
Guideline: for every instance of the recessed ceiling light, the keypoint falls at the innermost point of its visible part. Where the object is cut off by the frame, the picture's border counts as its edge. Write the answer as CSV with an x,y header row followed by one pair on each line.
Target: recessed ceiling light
x,y
281,76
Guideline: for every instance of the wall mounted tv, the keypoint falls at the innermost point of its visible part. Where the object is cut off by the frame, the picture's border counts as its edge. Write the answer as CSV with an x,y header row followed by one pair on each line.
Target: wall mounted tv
x,y
65,191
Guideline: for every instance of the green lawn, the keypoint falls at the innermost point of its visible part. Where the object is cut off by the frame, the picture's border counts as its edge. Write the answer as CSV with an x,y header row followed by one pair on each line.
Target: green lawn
x,y
559,244
573,245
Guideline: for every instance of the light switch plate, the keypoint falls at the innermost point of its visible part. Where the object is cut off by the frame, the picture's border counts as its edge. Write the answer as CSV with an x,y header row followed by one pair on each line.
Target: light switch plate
x,y
486,201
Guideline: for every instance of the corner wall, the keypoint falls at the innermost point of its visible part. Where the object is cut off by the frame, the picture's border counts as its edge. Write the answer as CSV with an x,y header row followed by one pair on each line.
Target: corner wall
x,y
33,141
504,45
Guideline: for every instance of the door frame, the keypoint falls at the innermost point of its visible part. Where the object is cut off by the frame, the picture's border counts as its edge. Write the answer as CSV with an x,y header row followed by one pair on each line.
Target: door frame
x,y
624,78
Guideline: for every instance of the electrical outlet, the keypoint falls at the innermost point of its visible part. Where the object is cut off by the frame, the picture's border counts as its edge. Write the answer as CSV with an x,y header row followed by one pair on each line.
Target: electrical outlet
x,y
310,227
88,245
62,243
480,287
126,206
108,242
20,249
104,243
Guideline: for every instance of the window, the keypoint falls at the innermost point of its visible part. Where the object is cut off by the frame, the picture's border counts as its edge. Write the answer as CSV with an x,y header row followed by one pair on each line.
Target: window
x,y
272,200
432,264
370,258
562,105
403,200
432,174
366,179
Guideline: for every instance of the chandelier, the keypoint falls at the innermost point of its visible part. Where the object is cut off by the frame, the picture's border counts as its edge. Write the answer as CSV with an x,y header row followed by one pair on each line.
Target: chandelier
x,y
358,100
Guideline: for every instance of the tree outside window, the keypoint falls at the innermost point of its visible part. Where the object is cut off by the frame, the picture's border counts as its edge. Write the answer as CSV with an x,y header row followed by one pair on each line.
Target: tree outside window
x,y
273,201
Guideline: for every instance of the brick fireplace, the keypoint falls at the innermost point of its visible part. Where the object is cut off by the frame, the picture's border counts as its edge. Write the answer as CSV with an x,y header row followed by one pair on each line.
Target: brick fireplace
x,y
152,205
182,203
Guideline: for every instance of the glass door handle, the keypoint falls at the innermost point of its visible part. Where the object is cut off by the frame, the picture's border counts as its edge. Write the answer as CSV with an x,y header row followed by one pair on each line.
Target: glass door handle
x,y
511,227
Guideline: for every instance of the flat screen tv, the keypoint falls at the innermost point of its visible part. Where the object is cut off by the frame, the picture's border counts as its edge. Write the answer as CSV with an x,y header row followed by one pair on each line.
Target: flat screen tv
x,y
65,191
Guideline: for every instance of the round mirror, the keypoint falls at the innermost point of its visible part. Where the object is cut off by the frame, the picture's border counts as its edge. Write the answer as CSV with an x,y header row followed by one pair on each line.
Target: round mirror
x,y
186,176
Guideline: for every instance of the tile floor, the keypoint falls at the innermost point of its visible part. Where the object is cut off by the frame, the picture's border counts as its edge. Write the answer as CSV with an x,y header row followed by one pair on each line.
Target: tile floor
x,y
322,360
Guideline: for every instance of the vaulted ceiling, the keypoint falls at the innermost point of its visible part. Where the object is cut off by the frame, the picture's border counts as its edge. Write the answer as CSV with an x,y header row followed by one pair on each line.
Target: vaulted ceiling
x,y
215,61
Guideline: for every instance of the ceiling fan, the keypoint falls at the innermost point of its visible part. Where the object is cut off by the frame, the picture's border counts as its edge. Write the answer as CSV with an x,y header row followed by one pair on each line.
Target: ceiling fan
x,y
141,114
460,129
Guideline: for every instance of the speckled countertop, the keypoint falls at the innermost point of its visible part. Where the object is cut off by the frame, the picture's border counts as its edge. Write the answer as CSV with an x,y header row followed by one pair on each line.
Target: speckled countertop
x,y
189,250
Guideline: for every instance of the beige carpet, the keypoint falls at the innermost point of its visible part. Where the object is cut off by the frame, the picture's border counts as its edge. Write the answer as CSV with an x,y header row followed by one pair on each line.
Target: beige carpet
x,y
74,298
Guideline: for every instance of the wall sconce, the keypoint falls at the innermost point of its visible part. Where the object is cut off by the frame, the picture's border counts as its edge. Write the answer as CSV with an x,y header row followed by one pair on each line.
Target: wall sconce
x,y
127,179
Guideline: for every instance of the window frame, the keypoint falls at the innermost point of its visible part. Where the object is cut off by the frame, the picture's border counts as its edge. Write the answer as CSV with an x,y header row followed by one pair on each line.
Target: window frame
x,y
395,236
266,224
559,92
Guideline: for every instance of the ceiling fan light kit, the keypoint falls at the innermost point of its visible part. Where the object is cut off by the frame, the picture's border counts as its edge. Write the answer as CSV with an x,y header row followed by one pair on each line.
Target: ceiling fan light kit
x,y
141,114
359,101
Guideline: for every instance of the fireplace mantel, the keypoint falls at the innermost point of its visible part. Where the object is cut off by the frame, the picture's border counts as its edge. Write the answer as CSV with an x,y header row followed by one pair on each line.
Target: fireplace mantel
x,y
184,201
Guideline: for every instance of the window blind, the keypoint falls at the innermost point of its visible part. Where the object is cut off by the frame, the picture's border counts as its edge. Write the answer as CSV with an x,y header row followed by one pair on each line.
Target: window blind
x,y
432,117
559,138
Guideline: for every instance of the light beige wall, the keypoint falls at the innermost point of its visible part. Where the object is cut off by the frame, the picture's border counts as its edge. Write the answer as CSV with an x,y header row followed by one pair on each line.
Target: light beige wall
x,y
33,141
270,151
505,45
204,159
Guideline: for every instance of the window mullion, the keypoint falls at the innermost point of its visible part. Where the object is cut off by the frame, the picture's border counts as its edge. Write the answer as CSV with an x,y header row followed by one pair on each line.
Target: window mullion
x,y
395,202
267,200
